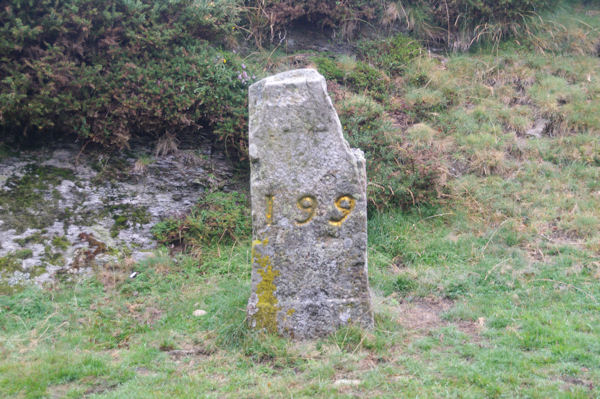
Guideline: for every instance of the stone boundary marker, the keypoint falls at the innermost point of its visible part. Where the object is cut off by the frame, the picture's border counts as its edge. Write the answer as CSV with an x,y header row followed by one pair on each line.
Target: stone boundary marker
x,y
309,211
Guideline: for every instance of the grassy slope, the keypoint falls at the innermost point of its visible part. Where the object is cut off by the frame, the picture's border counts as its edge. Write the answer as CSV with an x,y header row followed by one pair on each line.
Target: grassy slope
x,y
496,292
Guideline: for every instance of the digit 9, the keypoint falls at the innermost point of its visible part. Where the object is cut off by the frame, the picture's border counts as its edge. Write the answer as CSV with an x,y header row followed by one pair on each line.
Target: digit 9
x,y
345,204
308,205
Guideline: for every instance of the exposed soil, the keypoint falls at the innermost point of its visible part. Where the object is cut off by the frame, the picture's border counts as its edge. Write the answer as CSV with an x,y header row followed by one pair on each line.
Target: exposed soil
x,y
423,315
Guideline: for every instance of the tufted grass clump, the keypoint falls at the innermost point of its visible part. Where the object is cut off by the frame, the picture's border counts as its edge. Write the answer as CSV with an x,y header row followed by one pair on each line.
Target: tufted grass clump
x,y
391,54
217,218
357,75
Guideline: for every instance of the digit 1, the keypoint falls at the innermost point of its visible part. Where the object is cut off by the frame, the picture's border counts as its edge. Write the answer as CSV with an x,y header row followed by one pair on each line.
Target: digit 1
x,y
269,213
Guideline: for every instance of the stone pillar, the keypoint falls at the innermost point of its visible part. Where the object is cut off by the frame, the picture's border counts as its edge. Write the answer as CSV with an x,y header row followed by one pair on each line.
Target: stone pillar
x,y
309,211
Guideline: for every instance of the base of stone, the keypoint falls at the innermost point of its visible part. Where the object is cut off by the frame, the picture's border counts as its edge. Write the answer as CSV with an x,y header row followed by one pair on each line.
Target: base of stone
x,y
314,319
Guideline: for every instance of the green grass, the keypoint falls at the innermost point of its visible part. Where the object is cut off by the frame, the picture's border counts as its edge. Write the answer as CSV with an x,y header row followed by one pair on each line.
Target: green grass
x,y
491,291
506,322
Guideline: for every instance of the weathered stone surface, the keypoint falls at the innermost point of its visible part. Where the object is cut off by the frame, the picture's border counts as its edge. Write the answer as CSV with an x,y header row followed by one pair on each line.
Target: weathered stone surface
x,y
63,211
309,214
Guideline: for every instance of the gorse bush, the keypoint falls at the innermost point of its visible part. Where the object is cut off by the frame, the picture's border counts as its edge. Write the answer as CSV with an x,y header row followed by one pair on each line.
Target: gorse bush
x,y
107,70
268,20
399,174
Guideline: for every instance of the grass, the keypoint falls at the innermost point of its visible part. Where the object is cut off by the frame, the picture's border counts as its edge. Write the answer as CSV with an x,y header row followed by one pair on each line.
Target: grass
x,y
492,291
507,313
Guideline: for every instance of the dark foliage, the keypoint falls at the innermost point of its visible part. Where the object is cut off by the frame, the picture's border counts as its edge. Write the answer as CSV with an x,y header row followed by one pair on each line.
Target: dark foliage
x,y
109,69
268,19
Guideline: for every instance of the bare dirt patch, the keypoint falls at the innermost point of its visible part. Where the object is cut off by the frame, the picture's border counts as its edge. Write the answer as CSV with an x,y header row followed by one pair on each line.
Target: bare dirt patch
x,y
100,388
191,350
147,315
571,382
421,316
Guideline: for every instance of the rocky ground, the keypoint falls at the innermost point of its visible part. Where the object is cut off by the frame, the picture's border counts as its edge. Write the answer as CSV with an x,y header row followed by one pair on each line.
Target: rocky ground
x,y
63,211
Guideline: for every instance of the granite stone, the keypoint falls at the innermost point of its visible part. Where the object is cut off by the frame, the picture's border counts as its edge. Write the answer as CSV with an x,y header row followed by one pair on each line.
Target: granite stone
x,y
309,211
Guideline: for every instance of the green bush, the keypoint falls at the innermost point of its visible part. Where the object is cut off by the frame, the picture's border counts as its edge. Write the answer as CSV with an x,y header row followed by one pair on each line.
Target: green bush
x,y
217,218
329,69
365,78
399,175
109,69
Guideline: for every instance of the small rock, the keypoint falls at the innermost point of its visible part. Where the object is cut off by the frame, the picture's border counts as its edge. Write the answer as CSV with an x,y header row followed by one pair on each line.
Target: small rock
x,y
538,128
105,259
199,312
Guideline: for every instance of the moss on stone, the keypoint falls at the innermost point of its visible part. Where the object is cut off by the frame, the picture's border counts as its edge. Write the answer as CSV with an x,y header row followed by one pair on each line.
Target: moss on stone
x,y
9,263
125,216
30,201
60,242
111,169
35,238
54,258
23,253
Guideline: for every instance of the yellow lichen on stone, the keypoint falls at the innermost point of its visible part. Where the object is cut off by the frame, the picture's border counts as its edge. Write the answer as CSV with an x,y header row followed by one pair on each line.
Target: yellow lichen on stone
x,y
266,315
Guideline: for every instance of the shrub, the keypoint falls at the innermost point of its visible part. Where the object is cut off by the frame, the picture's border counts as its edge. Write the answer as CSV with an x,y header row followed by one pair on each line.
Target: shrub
x,y
217,218
365,78
398,173
109,69
329,69
268,18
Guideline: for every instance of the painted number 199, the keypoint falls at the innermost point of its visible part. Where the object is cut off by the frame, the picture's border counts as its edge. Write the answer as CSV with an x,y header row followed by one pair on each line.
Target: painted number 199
x,y
308,207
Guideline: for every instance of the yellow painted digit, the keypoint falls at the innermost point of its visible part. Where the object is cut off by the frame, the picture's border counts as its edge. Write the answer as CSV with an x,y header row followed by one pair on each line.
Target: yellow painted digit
x,y
345,204
269,213
308,205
